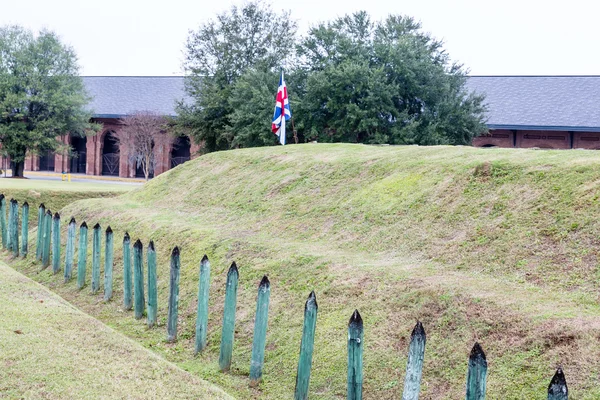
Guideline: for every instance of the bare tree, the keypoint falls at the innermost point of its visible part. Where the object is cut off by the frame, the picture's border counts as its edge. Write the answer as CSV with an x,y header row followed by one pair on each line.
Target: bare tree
x,y
141,130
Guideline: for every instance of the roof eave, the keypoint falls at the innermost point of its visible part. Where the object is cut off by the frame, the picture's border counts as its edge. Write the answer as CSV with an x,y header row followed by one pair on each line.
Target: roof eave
x,y
545,128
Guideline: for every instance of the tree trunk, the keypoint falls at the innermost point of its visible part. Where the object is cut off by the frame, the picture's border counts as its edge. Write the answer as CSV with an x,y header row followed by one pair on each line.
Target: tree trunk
x,y
18,169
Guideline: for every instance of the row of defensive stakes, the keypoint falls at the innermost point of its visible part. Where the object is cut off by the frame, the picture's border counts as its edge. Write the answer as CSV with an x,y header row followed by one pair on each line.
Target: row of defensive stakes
x,y
48,242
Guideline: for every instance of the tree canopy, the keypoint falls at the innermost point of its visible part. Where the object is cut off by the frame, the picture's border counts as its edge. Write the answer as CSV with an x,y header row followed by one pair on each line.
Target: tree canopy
x,y
41,93
246,43
349,80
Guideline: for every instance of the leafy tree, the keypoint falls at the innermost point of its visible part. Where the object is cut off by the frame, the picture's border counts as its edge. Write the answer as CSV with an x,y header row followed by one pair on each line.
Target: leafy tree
x,y
252,40
383,82
41,94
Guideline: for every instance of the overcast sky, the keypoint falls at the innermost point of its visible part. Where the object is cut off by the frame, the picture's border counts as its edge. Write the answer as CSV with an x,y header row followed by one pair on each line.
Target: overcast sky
x,y
135,37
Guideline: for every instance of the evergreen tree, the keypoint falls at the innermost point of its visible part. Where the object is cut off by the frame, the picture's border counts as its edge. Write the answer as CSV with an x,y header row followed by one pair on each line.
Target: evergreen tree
x,y
41,94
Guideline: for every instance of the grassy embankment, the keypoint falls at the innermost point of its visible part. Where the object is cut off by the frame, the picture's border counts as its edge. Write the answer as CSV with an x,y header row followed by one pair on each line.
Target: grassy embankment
x,y
51,350
494,245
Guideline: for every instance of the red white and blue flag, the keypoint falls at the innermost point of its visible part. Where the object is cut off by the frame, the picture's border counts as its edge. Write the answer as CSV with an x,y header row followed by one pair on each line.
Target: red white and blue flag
x,y
282,108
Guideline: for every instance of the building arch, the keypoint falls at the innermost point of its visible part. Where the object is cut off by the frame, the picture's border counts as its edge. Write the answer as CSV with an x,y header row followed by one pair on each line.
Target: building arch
x,y
47,160
78,161
110,153
180,151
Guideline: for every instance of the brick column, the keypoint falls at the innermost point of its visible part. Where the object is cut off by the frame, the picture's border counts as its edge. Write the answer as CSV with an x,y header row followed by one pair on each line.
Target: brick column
x,y
195,149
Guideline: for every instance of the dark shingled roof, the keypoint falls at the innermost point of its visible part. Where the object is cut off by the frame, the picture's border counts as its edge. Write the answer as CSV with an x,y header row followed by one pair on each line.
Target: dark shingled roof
x,y
541,102
116,96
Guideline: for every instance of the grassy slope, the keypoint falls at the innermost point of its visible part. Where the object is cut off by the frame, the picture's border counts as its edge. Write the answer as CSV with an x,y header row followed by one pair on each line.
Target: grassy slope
x,y
494,245
50,350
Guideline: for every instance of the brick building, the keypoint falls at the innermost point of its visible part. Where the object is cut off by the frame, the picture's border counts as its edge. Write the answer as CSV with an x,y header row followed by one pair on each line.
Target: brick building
x,y
549,112
105,153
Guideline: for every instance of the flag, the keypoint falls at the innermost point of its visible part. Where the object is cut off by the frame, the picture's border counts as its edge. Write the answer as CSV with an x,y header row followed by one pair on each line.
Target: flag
x,y
282,106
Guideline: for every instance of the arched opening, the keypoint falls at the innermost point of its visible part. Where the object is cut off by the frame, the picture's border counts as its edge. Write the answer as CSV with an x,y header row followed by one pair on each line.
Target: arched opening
x,y
139,171
180,152
78,154
489,145
110,154
47,161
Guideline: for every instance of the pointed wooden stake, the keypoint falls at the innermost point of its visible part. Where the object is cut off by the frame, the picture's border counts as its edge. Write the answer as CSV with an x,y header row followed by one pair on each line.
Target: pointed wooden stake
x,y
46,239
82,255
138,279
414,365
96,245
557,390
108,264
202,312
260,331
152,286
70,250
127,283
355,357
25,230
14,228
306,347
227,334
3,221
477,375
173,296
40,232
56,243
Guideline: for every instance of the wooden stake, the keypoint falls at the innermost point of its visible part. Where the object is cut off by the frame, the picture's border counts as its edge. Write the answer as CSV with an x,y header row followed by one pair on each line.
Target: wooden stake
x,y
127,284
414,365
355,357
14,234
3,221
152,286
557,390
477,374
11,216
173,296
108,264
260,331
25,230
46,239
227,334
82,255
202,312
96,245
70,250
138,279
40,232
56,243
306,347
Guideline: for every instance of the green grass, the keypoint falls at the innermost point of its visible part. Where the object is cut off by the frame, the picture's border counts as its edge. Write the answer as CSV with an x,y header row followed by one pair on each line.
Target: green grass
x,y
491,245
51,350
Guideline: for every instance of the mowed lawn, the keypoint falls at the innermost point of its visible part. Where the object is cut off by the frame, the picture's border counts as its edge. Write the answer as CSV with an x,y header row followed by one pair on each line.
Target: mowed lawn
x,y
51,350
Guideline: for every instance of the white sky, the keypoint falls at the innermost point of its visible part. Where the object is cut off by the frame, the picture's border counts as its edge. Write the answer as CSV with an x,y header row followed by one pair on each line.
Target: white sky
x,y
135,37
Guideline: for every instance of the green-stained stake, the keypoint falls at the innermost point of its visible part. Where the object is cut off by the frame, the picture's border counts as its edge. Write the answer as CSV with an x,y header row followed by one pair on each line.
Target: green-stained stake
x,y
306,347
14,234
82,255
40,232
228,330
414,365
127,284
477,374
152,286
3,221
108,264
173,296
10,224
96,244
25,229
202,314
260,331
70,250
557,390
56,243
138,279
46,239
355,357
